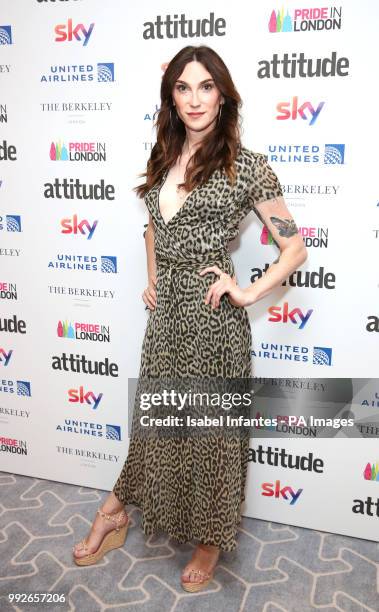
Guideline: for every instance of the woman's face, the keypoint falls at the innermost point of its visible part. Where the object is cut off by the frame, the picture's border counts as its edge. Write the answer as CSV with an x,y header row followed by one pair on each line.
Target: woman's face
x,y
196,97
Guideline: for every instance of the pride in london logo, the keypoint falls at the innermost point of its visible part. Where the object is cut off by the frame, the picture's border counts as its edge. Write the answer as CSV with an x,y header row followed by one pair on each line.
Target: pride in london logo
x,y
77,151
306,19
371,472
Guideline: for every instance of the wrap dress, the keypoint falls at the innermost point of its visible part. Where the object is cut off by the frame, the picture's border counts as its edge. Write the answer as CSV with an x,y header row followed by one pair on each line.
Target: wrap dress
x,y
193,487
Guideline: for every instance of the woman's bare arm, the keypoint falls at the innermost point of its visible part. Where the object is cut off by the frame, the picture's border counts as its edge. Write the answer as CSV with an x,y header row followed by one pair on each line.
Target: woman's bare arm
x,y
149,295
275,215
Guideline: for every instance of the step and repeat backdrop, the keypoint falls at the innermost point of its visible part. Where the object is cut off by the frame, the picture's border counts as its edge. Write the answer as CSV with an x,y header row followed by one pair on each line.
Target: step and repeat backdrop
x,y
79,94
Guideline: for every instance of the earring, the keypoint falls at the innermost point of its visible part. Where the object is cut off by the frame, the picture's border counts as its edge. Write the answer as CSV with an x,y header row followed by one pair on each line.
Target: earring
x,y
171,122
219,114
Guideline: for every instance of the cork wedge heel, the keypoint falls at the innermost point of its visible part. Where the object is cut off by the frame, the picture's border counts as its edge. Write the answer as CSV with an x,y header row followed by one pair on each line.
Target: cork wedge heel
x,y
113,539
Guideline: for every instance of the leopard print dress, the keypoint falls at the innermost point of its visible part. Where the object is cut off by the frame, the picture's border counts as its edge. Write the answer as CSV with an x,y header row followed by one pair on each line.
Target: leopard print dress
x,y
193,487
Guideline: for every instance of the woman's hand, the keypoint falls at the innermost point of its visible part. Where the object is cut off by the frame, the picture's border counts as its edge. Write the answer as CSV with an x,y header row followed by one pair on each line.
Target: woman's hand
x,y
226,284
149,296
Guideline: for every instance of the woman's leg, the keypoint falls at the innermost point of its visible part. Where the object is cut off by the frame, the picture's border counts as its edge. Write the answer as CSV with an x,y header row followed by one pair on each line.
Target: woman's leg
x,y
101,526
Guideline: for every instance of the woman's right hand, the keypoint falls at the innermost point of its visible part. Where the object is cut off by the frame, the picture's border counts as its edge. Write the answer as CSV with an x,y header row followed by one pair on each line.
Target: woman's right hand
x,y
149,296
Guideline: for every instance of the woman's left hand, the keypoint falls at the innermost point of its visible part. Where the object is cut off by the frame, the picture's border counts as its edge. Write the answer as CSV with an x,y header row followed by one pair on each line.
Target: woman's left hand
x,y
225,284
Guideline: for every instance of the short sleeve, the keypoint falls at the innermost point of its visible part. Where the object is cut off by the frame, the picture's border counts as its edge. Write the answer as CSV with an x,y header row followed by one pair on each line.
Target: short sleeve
x,y
259,183
262,183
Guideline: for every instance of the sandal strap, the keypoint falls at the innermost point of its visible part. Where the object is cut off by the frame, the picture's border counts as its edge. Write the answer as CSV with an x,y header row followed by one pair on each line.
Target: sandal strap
x,y
201,572
112,516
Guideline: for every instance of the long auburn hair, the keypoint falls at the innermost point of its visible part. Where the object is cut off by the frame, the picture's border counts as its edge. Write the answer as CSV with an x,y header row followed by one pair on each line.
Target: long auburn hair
x,y
219,148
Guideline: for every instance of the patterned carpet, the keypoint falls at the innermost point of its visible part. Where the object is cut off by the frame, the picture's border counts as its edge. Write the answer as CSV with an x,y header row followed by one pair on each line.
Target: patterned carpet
x,y
275,568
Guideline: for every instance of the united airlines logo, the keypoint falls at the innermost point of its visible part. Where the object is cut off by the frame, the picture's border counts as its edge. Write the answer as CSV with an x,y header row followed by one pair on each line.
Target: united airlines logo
x,y
334,154
5,35
11,223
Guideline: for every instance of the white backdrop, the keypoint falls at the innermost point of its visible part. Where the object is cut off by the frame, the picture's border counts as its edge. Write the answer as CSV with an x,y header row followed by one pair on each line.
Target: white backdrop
x,y
97,87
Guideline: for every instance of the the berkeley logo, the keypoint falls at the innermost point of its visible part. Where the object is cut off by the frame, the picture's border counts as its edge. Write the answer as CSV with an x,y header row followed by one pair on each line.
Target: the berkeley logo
x,y
69,32
174,26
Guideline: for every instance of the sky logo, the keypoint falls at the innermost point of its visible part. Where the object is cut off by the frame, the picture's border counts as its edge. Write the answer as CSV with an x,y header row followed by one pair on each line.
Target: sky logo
x,y
75,227
322,355
105,73
68,32
23,388
78,396
334,154
109,264
113,432
275,490
371,472
12,223
6,35
5,356
294,316
291,110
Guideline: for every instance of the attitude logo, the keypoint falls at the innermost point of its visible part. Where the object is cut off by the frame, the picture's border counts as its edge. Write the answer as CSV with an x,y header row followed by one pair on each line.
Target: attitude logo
x,y
7,152
280,457
78,396
8,291
5,356
318,279
292,110
87,428
306,20
371,472
81,365
328,154
10,223
69,32
75,227
78,151
368,506
83,331
70,189
13,325
18,387
85,263
80,73
6,35
287,493
300,66
372,323
181,27
282,314
317,355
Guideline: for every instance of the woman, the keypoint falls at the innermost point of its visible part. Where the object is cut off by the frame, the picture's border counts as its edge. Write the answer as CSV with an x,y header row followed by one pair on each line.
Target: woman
x,y
200,183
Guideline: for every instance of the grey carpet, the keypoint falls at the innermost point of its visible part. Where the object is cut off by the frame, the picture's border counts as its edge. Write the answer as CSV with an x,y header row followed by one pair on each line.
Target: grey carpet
x,y
275,568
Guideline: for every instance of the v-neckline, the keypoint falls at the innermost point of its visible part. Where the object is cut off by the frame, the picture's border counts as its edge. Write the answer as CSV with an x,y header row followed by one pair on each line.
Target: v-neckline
x,y
182,206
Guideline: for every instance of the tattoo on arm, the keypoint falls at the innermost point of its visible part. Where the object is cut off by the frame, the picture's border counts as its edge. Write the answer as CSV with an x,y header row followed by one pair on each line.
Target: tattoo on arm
x,y
286,227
